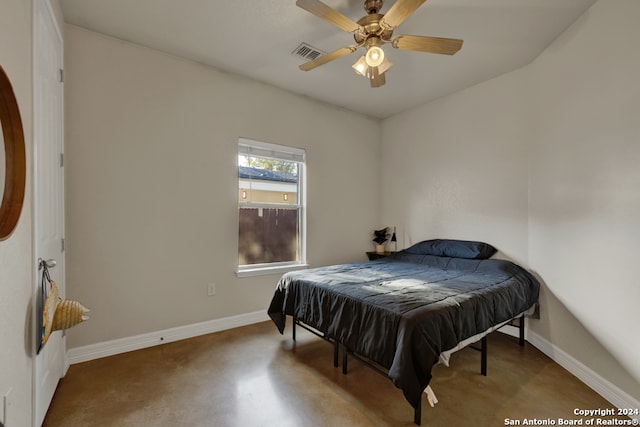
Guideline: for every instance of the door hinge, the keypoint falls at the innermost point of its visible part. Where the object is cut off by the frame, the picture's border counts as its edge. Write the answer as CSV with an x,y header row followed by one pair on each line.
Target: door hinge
x,y
61,76
62,244
61,160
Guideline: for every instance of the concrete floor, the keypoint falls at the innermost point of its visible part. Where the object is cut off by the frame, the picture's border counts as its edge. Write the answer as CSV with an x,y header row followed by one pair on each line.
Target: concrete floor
x,y
253,376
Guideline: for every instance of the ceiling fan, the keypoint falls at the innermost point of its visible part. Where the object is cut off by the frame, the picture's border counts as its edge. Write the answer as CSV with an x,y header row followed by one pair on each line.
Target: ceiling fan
x,y
372,32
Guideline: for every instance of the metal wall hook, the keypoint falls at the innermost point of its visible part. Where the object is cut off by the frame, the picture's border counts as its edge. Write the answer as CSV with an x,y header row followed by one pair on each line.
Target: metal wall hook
x,y
50,263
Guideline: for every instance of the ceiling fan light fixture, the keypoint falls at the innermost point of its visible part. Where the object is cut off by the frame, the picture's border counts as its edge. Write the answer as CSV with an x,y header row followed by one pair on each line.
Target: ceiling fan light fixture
x,y
361,66
374,56
384,66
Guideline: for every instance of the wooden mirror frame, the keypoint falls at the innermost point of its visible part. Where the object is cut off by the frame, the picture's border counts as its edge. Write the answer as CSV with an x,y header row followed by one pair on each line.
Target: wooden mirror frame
x,y
15,158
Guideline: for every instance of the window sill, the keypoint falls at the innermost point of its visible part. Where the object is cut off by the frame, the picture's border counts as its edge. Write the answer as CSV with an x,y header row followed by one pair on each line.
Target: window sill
x,y
265,270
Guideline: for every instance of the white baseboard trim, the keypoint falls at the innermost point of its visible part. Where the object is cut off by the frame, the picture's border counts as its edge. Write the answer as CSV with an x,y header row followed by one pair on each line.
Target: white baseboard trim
x,y
604,388
512,331
137,342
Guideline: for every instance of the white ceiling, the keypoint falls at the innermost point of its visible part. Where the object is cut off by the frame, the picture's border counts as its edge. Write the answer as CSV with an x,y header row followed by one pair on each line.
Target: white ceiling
x,y
255,38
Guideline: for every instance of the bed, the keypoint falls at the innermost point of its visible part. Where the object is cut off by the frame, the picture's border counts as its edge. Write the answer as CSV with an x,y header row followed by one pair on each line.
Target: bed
x,y
404,311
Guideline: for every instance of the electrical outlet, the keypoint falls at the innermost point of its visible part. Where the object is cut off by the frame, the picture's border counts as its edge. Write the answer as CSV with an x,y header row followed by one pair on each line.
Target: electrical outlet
x,y
211,289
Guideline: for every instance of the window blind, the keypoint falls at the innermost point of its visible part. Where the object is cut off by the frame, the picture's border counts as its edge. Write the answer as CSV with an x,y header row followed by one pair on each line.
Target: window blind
x,y
272,151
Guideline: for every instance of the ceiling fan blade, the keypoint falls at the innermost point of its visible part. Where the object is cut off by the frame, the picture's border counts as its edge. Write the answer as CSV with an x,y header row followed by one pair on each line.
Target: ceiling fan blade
x,y
330,15
427,44
376,78
321,60
400,11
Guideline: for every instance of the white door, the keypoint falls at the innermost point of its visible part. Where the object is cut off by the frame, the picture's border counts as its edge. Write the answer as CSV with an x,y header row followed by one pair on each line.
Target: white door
x,y
48,210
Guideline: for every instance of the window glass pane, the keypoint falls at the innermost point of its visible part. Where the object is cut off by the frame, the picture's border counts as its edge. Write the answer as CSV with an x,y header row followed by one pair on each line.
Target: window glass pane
x,y
267,180
268,235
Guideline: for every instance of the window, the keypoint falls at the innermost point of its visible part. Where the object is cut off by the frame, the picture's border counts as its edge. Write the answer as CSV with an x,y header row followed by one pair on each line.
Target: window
x,y
271,212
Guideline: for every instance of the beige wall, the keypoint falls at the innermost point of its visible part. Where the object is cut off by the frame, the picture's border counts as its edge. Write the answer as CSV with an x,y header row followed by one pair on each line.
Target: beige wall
x,y
152,190
542,162
456,168
16,285
585,185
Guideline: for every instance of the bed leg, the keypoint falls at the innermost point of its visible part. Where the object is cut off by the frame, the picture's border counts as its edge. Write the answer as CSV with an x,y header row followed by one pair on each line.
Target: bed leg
x,y
293,333
521,328
336,351
344,359
483,357
417,413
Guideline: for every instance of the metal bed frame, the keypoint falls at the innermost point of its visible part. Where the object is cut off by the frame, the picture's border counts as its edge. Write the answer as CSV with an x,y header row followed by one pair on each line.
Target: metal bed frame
x,y
417,415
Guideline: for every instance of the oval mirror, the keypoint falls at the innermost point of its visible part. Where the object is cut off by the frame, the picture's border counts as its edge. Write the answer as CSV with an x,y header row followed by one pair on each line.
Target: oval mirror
x,y
3,166
12,158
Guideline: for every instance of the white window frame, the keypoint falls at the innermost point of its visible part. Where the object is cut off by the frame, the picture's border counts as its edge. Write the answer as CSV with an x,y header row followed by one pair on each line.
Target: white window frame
x,y
278,152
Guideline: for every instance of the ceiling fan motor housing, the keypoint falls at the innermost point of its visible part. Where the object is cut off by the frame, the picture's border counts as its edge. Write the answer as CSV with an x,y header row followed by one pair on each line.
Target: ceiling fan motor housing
x,y
371,26
372,6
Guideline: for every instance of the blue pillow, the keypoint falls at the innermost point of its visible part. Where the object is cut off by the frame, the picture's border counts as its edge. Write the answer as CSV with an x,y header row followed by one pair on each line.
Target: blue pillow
x,y
453,248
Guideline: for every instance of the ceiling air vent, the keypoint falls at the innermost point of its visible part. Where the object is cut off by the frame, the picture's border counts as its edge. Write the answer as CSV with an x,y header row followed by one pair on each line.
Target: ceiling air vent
x,y
307,52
